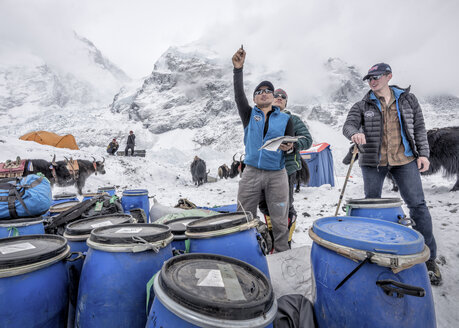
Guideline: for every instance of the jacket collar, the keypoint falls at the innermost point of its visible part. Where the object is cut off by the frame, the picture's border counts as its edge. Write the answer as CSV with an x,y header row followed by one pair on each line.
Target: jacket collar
x,y
370,96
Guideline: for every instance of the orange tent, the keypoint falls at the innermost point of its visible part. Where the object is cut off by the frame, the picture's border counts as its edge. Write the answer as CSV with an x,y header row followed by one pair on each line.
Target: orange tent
x,y
52,139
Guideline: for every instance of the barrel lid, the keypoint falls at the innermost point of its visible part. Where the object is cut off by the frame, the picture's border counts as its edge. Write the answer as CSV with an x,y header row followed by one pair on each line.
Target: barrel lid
x,y
85,226
21,220
375,202
25,250
93,194
369,234
64,195
218,222
217,286
61,207
178,226
134,192
124,233
105,188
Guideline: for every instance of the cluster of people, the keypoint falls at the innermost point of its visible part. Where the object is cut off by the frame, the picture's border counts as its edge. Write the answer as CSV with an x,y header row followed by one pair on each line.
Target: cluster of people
x,y
113,146
387,124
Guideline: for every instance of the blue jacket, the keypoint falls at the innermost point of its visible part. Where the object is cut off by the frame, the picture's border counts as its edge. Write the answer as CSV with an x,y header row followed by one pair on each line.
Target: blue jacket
x,y
253,140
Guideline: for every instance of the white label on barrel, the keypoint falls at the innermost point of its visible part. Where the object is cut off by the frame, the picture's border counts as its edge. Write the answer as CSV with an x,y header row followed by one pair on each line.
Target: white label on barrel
x,y
209,278
129,230
101,224
16,248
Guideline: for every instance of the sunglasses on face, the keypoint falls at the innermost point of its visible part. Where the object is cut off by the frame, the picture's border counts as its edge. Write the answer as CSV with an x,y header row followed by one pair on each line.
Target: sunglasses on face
x,y
277,95
375,77
259,92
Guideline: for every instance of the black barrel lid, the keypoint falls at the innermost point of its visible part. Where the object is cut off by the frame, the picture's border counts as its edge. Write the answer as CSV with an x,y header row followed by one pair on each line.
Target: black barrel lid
x,y
178,226
218,286
123,233
105,188
24,250
21,220
218,222
64,195
85,226
375,201
61,207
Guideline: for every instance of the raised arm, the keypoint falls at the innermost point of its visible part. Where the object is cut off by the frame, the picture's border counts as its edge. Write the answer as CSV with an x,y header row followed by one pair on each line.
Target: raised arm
x,y
242,104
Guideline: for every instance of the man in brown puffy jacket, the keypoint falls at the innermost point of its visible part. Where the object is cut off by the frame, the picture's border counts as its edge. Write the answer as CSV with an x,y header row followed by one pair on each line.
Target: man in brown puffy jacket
x,y
389,124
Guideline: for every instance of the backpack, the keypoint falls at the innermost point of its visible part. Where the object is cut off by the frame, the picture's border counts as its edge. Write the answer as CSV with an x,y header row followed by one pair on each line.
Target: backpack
x,y
24,197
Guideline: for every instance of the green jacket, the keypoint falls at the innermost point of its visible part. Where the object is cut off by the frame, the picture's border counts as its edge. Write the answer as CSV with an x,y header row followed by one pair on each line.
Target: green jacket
x,y
293,160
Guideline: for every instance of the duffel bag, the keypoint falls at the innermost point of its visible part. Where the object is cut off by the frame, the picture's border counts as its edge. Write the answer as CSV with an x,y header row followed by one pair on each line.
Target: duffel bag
x,y
25,197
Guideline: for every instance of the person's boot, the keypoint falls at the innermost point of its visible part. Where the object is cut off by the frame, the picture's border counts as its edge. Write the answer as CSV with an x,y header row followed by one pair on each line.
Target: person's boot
x,y
434,272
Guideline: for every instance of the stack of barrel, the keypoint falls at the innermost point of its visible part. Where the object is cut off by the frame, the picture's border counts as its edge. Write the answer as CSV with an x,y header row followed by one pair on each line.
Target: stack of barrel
x,y
112,271
368,268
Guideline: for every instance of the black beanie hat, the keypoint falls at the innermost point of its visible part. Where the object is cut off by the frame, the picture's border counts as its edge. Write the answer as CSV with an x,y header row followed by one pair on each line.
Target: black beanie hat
x,y
264,84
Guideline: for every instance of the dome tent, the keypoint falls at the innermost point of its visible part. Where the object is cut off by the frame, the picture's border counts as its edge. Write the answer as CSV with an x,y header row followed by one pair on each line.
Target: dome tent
x,y
52,139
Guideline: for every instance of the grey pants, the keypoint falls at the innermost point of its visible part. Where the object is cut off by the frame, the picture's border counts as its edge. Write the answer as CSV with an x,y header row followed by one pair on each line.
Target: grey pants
x,y
274,184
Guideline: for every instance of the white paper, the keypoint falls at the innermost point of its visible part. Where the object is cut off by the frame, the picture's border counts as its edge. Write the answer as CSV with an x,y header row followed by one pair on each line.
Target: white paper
x,y
129,230
16,248
273,144
209,278
101,224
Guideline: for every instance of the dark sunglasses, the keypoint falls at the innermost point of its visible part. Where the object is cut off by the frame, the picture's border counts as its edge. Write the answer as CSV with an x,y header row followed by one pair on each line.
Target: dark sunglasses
x,y
375,77
277,95
259,92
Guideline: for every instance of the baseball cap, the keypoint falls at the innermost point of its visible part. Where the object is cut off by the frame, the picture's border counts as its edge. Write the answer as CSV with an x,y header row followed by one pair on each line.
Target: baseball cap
x,y
267,84
378,69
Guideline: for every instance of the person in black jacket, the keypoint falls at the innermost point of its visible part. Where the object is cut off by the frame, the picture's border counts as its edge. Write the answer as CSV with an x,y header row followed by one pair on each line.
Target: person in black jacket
x,y
130,144
389,124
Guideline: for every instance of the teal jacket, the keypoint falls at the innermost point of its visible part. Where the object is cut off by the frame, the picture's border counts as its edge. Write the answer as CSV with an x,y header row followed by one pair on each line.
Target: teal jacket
x,y
293,160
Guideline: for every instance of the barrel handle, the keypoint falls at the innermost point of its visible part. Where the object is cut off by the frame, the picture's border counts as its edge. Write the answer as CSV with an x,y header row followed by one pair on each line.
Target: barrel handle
x,y
406,221
79,255
262,244
402,290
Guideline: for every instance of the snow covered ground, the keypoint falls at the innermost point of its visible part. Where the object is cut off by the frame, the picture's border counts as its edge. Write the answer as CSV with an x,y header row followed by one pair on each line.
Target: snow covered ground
x,y
165,173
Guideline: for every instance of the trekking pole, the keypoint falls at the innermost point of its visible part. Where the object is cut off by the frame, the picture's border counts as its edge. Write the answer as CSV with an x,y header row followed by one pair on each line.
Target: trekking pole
x,y
354,153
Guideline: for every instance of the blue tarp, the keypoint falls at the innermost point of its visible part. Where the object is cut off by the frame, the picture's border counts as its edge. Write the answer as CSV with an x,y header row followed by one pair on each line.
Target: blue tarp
x,y
222,209
320,164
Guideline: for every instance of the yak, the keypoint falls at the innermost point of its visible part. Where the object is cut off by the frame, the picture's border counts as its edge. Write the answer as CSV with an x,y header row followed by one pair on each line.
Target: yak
x,y
198,171
82,172
444,152
55,172
302,176
237,167
223,171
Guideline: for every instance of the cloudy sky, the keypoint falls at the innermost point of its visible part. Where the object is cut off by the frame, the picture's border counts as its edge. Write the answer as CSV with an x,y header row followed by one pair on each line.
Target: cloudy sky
x,y
420,39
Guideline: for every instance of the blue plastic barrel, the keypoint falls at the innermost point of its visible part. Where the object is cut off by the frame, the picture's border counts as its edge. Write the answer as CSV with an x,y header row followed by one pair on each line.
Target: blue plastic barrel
x,y
208,290
229,234
389,209
120,261
90,195
76,234
109,190
136,198
64,197
178,229
62,207
20,227
33,281
374,296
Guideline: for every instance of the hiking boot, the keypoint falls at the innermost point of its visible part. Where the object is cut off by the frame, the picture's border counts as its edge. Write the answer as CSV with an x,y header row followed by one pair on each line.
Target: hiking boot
x,y
434,272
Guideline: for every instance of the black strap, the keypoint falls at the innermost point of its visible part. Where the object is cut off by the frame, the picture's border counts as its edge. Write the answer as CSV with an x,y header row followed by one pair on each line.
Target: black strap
x,y
367,259
71,214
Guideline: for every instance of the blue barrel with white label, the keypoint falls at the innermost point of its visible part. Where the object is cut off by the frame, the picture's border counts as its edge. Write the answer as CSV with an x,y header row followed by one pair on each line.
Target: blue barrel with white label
x,y
20,227
230,234
76,234
136,198
33,281
109,190
370,273
178,228
120,261
209,290
389,209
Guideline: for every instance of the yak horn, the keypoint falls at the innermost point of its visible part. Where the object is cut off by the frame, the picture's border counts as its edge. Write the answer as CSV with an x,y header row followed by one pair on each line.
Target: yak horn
x,y
66,159
240,158
54,160
103,159
94,159
233,157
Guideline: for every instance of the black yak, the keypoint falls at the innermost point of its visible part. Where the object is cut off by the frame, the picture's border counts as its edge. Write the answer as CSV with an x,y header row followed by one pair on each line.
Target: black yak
x,y
237,167
302,176
198,171
55,172
81,171
223,171
444,152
